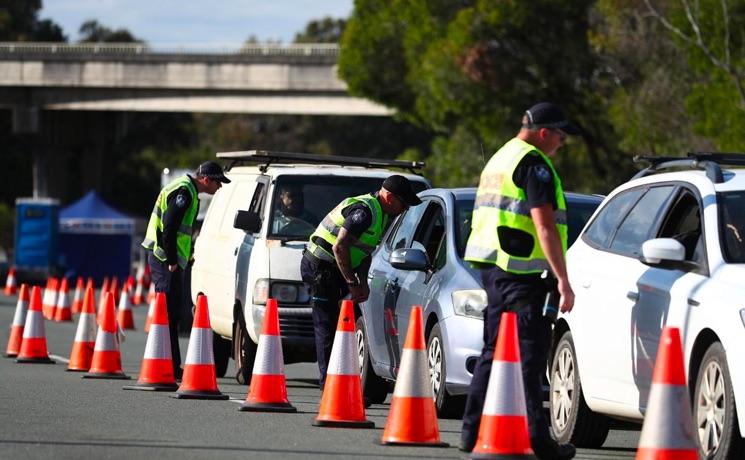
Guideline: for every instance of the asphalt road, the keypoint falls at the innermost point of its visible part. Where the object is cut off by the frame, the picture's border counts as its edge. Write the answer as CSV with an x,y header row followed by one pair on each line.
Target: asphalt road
x,y
47,413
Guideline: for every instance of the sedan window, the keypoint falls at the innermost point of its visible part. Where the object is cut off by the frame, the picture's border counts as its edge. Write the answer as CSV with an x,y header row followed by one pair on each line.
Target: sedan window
x,y
405,226
683,223
641,222
607,220
431,234
732,226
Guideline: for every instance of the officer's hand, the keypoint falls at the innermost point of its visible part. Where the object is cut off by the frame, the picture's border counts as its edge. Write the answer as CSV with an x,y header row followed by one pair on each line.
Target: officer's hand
x,y
172,268
567,296
359,293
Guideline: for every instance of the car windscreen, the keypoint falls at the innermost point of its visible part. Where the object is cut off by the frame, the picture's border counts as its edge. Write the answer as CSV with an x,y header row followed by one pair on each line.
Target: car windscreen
x,y
301,202
732,226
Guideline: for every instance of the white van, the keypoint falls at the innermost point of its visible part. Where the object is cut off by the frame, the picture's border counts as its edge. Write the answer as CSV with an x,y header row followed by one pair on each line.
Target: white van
x,y
251,245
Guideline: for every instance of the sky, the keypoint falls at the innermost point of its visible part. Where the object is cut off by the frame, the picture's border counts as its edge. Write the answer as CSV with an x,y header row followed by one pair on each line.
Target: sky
x,y
195,22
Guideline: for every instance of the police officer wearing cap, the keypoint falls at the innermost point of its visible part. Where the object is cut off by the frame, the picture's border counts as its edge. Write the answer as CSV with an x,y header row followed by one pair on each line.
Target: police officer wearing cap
x,y
518,231
168,239
337,257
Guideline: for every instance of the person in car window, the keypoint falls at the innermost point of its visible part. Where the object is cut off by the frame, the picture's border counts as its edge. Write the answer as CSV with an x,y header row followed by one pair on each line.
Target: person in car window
x,y
290,216
519,230
169,240
337,257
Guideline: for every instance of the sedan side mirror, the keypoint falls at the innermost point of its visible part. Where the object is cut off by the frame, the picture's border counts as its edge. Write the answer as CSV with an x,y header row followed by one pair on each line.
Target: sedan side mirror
x,y
666,253
409,259
247,221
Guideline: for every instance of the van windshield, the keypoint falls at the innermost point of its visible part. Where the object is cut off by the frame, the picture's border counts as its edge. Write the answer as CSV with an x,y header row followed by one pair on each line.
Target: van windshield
x,y
301,202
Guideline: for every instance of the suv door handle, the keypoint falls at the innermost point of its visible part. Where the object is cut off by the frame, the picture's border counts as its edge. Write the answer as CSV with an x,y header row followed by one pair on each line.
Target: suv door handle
x,y
235,251
631,295
693,303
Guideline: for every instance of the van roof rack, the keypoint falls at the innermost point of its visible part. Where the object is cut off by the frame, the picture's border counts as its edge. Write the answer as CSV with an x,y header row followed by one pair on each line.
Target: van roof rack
x,y
711,162
267,157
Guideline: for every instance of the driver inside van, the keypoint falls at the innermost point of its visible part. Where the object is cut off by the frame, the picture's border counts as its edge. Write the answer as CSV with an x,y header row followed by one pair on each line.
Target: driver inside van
x,y
290,215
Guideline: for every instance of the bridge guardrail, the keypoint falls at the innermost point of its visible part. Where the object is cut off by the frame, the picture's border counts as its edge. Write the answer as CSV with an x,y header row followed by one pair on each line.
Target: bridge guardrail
x,y
113,49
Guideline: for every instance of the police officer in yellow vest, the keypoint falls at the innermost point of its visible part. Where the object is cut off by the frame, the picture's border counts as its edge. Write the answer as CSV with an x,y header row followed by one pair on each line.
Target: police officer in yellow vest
x,y
337,257
169,239
519,230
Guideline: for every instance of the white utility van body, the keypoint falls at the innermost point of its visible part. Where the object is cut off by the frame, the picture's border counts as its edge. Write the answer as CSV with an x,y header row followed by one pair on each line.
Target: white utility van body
x,y
249,251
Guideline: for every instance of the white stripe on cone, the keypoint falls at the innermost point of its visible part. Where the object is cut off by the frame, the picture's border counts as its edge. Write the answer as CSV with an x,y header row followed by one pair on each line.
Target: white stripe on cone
x,y
106,341
158,342
664,432
200,347
505,375
19,319
269,360
344,355
124,301
63,300
34,327
86,331
415,383
78,296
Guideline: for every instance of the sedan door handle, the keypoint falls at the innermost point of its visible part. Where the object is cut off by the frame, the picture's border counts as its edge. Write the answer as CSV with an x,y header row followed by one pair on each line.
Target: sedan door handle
x,y
693,303
631,295
235,252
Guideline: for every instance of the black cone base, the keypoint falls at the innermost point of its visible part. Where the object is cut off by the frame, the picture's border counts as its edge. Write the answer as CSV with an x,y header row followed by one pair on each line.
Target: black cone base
x,y
412,444
347,424
483,455
199,395
46,360
152,387
11,355
106,375
268,407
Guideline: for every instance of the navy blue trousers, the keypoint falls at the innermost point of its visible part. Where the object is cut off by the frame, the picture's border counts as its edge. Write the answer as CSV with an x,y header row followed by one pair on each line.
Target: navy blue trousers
x,y
526,298
329,288
170,283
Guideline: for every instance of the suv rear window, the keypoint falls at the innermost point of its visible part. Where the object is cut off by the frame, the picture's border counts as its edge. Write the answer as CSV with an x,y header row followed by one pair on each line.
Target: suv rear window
x,y
732,226
301,202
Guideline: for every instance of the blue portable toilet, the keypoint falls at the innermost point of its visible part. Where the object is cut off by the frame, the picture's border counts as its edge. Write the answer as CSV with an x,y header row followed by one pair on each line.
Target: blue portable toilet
x,y
95,239
36,237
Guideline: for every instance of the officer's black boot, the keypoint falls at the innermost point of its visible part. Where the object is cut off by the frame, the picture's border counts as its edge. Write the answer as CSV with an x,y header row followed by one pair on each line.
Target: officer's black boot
x,y
548,449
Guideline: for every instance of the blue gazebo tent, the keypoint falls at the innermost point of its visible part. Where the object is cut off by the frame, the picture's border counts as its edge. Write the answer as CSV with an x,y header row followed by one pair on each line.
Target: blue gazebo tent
x,y
95,239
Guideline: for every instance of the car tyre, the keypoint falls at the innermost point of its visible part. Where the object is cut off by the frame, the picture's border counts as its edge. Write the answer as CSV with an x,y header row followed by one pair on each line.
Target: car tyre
x,y
374,388
571,419
221,353
714,412
244,353
447,405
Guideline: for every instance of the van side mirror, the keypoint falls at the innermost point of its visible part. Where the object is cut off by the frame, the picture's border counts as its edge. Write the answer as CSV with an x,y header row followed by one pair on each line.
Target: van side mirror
x,y
409,259
247,221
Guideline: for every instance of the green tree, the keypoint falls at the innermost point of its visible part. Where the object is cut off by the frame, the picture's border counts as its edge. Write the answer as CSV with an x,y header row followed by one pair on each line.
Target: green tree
x,y
325,30
19,22
93,32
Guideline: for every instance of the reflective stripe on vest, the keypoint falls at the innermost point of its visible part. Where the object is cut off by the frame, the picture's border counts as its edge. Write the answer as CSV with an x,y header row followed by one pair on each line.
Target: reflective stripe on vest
x,y
501,203
184,232
328,231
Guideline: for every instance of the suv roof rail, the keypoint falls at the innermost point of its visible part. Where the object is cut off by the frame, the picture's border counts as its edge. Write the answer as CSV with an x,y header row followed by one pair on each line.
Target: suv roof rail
x,y
268,157
709,161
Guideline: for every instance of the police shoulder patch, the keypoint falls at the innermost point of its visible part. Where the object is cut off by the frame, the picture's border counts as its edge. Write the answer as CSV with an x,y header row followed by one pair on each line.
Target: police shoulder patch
x,y
180,200
542,173
358,216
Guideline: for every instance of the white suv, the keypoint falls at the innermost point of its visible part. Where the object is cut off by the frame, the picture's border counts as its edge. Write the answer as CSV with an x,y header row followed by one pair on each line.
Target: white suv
x,y
253,237
666,248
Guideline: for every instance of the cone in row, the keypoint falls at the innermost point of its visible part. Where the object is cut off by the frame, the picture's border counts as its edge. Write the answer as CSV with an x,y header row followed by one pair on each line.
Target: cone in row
x,y
124,314
77,299
19,321
341,402
668,430
84,344
156,371
63,309
34,343
268,390
138,298
107,359
102,295
49,302
150,313
10,282
503,432
412,418
200,377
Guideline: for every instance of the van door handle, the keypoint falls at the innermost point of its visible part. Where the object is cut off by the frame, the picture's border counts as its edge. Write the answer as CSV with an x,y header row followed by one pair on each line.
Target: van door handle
x,y
632,295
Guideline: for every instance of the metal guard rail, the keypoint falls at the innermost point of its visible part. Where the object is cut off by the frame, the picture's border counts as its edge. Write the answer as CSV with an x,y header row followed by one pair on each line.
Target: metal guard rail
x,y
299,50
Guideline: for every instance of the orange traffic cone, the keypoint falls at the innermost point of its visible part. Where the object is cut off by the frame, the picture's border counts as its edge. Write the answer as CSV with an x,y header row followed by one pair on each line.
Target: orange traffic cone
x,y
268,391
19,321
10,282
124,315
668,431
130,284
62,311
156,372
412,419
150,313
85,336
139,298
341,402
151,293
102,296
34,343
200,378
49,302
114,288
504,423
107,360
77,299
